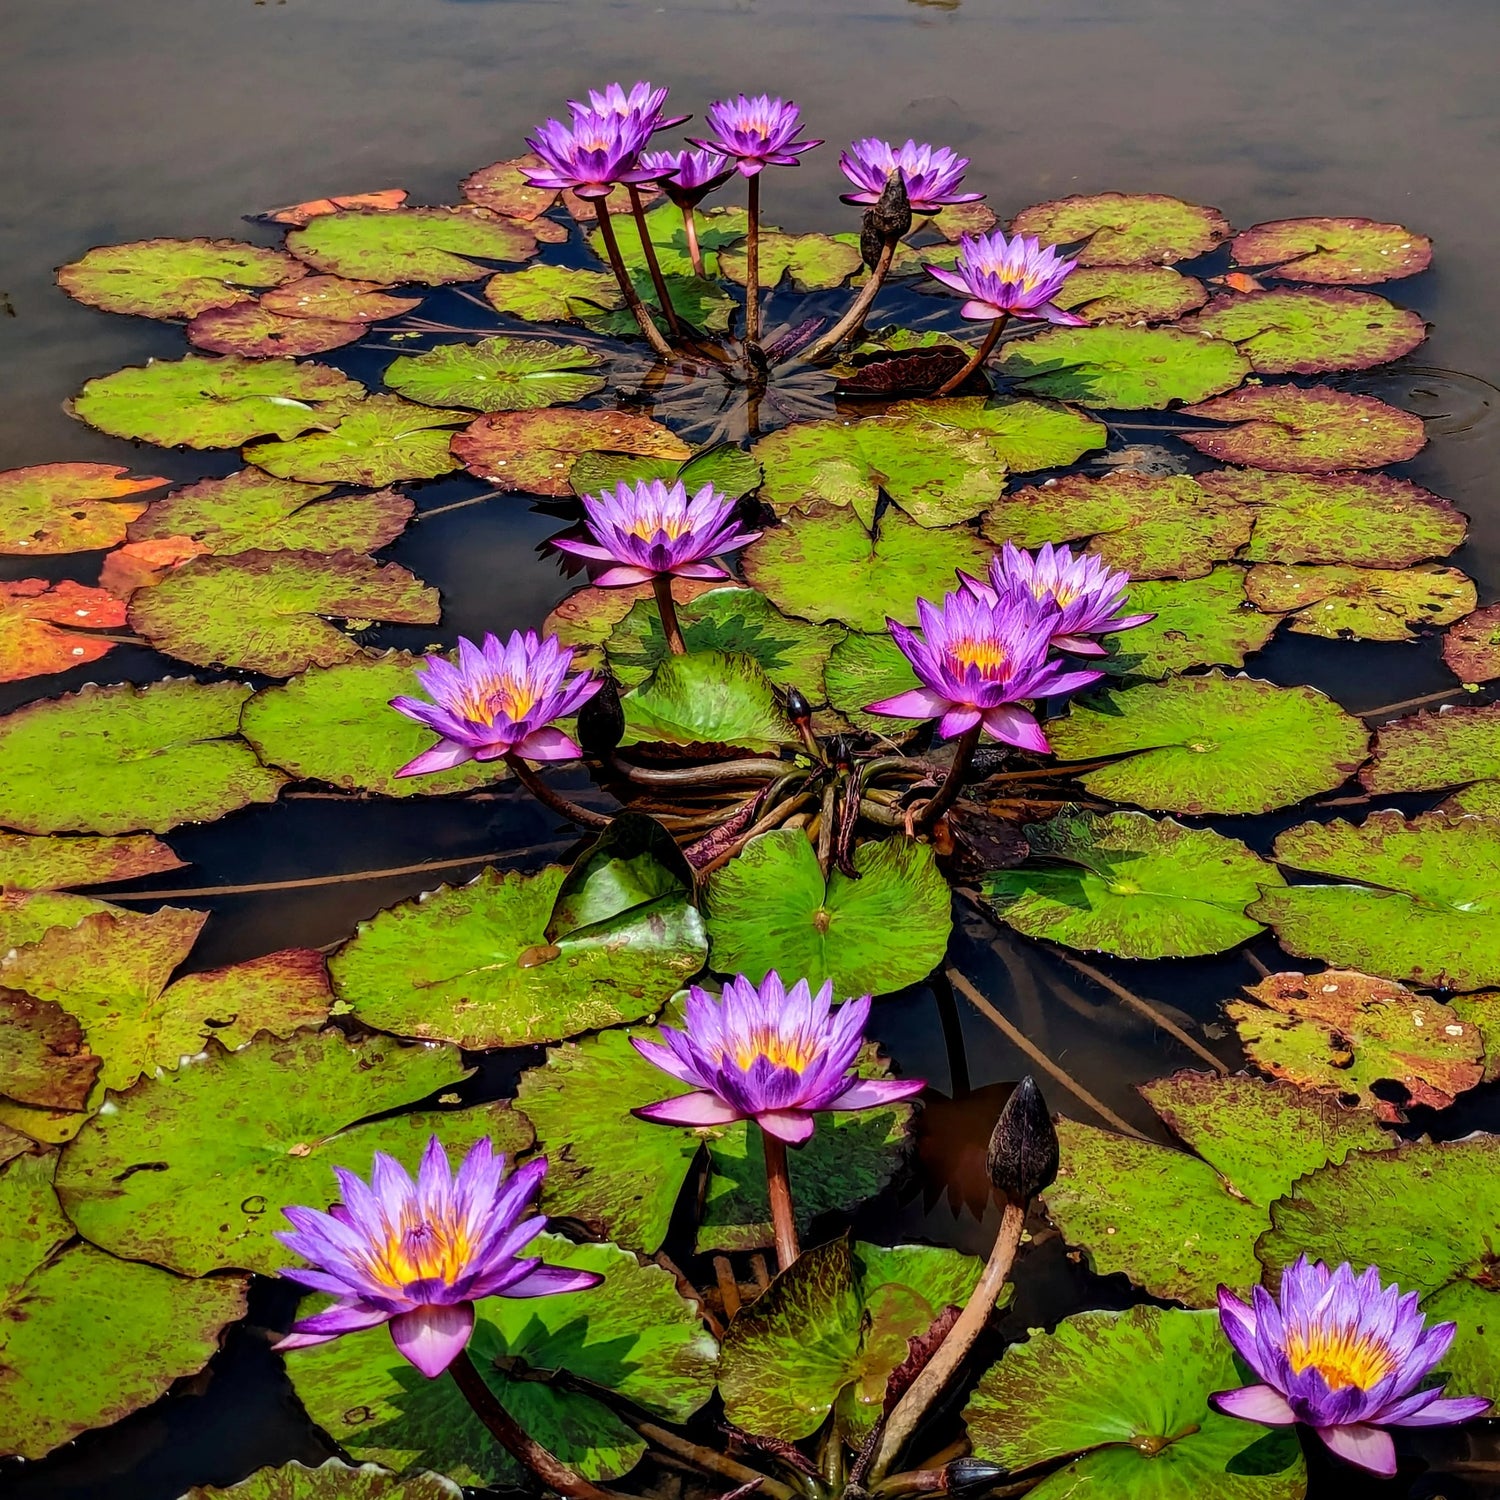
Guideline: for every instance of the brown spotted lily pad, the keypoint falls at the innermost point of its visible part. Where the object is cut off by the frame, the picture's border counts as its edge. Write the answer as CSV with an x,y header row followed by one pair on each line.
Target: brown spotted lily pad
x,y
432,246
1125,229
55,508
41,626
175,278
504,187
1428,752
1370,1041
1130,294
1332,252
1314,431
44,1059
1367,604
33,863
253,330
1472,648
337,299
380,441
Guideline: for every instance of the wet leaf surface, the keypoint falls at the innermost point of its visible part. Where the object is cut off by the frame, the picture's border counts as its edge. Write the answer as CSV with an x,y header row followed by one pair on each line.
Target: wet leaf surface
x,y
430,246
175,278
1472,648
336,299
382,440
1130,294
1125,229
708,698
553,294
253,330
32,611
1332,252
505,189
1200,622
55,508
1023,434
1427,751
49,864
43,1056
499,374
1367,604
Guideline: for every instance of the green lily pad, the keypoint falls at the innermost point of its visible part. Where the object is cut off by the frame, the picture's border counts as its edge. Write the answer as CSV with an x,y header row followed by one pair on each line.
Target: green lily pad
x,y
708,698
190,1169
736,622
1472,648
1482,799
554,294
717,228
251,510
54,508
1333,252
822,564
622,1176
432,246
1212,744
770,908
1125,229
120,759
1341,1032
1312,431
1126,369
830,1330
534,450
1366,604
1179,1224
266,611
338,300
810,262
1023,434
633,1334
1153,1436
730,470
1301,331
254,331
1428,913
1425,752
26,915
1368,520
196,402
505,189
863,669
331,1480
382,440
477,965
1130,294
499,374
54,864
175,278
334,724
1425,1215
701,304
1133,886
1200,622
145,1327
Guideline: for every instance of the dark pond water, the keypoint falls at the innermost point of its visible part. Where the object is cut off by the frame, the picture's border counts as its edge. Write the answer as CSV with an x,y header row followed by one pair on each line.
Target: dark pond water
x,y
125,119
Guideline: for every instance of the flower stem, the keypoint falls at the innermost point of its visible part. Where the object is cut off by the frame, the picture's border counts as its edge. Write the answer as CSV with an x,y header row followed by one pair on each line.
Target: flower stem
x,y
852,319
925,1389
549,798
779,1188
981,354
667,609
752,264
690,226
550,1469
967,744
652,264
643,318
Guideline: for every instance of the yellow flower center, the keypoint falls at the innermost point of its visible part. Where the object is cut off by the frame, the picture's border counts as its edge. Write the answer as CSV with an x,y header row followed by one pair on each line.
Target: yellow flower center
x,y
1343,1356
673,523
794,1052
422,1249
487,700
987,655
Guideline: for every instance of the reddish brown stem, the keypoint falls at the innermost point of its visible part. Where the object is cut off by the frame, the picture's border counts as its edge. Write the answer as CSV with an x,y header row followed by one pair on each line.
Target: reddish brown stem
x,y
643,318
852,319
662,585
549,798
779,1188
752,264
933,810
663,296
690,227
979,356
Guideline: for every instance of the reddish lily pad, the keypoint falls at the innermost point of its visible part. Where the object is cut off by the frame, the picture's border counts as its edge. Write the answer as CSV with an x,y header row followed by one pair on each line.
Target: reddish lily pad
x,y
1314,431
137,565
53,864
1349,1034
44,1059
1333,252
55,508
1130,294
250,329
1367,604
957,220
1125,229
1472,648
380,441
298,214
532,451
268,611
498,374
175,278
31,614
505,189
336,299
1426,752
432,246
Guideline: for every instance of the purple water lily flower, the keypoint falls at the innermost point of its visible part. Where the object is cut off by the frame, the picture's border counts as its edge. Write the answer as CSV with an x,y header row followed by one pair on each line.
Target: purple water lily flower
x,y
599,150
1343,1354
1087,593
652,528
419,1255
770,1054
759,132
643,103
931,173
689,176
980,659
1001,278
499,700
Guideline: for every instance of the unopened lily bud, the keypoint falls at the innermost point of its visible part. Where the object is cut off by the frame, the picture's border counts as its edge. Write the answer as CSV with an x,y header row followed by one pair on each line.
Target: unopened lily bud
x,y
601,721
891,214
971,1476
797,707
1022,1159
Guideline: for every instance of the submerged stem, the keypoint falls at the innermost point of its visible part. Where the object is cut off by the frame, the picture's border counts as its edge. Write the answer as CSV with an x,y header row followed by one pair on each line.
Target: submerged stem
x,y
852,319
553,799
667,609
752,263
779,1189
663,296
638,309
979,356
690,228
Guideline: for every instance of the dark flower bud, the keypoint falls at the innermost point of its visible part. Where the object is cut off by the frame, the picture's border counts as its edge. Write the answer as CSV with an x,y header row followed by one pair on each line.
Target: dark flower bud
x,y
871,241
966,1477
797,706
1022,1159
840,753
601,721
891,215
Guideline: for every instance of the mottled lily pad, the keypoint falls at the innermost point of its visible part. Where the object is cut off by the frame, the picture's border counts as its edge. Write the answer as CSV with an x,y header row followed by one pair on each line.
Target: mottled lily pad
x,y
1425,752
268,611
1201,622
701,304
33,613
809,262
708,698
533,451
1428,913
1212,744
1177,1224
1125,229
54,864
1130,294
120,759
1126,369
1367,604
554,294
1368,1041
882,929
475,964
1024,435
1312,431
331,1480
585,618
335,724
382,440
145,1327
197,402
1333,252
499,374
312,208
138,565
253,330
822,564
26,916
336,299
1155,1438
863,669
1472,648
55,508
1300,331
432,246
1130,885
505,189
44,1058
175,278
730,470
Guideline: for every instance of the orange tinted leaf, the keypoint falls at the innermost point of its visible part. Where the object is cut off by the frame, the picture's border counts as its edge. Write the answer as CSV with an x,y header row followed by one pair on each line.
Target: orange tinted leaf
x,y
31,610
300,213
137,565
54,508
